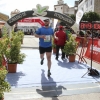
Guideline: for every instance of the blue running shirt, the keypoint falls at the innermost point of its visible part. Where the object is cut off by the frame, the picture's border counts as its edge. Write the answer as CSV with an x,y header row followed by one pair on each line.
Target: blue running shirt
x,y
48,32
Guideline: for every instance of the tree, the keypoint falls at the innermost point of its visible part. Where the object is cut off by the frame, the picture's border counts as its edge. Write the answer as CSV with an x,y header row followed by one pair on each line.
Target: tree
x,y
91,16
73,17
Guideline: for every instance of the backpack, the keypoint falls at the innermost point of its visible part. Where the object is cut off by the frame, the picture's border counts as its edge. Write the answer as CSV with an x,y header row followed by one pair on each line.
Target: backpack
x,y
93,72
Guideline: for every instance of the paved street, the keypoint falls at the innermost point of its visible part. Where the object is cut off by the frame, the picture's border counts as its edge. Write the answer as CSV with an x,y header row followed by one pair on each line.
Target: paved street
x,y
28,85
30,42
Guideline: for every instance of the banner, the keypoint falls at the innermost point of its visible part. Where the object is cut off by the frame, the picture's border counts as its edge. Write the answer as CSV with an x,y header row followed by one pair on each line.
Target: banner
x,y
43,12
79,15
78,39
31,20
96,50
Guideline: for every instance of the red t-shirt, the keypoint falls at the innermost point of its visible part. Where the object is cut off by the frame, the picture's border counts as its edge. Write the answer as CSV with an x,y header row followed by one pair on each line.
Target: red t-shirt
x,y
61,38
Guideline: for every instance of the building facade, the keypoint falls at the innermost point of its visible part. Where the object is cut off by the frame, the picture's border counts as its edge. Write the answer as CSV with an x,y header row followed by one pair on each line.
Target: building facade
x,y
3,19
89,5
97,6
63,8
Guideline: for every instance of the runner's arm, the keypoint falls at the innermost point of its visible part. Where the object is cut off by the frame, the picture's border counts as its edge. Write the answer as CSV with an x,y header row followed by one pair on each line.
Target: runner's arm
x,y
37,34
55,36
40,36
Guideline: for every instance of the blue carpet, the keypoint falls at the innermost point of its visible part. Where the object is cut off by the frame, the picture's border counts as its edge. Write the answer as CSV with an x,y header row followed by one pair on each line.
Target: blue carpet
x,y
31,73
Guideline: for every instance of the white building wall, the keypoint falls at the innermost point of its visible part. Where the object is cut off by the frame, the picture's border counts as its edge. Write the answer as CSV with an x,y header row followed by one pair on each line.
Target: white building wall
x,y
86,5
90,5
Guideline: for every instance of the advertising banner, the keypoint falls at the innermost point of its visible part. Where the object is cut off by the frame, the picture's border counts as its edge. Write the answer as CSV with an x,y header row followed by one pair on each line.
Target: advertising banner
x,y
79,15
31,20
96,50
41,11
78,39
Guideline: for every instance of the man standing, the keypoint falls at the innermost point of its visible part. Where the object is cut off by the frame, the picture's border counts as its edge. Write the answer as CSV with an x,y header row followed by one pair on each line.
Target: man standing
x,y
45,43
60,37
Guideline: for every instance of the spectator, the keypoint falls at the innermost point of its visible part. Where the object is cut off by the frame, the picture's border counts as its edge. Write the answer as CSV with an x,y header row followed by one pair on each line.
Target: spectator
x,y
60,37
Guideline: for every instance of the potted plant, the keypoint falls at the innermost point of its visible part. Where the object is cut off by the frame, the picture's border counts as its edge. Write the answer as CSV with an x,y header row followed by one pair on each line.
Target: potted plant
x,y
13,53
4,85
70,48
53,45
21,35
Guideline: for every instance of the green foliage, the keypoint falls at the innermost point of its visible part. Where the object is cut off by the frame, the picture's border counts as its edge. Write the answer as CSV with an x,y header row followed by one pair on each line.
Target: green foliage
x,y
73,16
10,48
20,34
4,32
70,46
4,85
91,16
13,53
4,42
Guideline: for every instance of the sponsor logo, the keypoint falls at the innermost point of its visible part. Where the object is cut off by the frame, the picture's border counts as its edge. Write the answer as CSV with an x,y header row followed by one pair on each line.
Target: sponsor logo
x,y
60,16
95,48
15,18
40,11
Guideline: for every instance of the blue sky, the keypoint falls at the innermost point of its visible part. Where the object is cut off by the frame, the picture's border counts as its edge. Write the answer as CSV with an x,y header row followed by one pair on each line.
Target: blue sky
x,y
6,6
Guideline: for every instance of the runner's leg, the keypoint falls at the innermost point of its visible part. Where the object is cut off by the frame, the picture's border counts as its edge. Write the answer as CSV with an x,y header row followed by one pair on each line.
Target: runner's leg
x,y
42,51
48,55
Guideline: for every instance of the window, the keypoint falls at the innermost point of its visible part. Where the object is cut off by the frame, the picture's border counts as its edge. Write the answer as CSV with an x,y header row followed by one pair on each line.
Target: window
x,y
86,4
82,9
91,2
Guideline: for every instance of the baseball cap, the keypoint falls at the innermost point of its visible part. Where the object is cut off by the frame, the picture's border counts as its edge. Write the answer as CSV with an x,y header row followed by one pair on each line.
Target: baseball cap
x,y
46,20
60,27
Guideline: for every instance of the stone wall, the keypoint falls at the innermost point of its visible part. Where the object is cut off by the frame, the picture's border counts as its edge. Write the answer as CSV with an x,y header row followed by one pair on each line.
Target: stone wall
x,y
97,6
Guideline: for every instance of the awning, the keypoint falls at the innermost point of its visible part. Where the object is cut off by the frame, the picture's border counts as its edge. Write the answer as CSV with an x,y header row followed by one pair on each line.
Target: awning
x,y
3,17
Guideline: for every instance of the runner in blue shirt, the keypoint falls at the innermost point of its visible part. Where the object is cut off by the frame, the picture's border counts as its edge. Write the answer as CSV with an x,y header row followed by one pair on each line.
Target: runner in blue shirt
x,y
45,34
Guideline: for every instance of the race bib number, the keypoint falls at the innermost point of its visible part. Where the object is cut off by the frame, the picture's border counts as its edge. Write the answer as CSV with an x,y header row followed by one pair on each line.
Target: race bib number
x,y
47,38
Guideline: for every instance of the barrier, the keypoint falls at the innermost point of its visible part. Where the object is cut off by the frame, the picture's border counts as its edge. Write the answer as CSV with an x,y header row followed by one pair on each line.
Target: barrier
x,y
82,41
96,50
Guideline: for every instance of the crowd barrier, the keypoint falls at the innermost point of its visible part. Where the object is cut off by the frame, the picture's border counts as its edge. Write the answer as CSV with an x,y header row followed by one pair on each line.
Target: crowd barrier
x,y
96,50
86,44
81,42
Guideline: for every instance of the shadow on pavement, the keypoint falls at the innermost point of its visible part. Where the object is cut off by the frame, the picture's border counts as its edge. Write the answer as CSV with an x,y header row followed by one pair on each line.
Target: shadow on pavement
x,y
70,65
51,90
13,78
